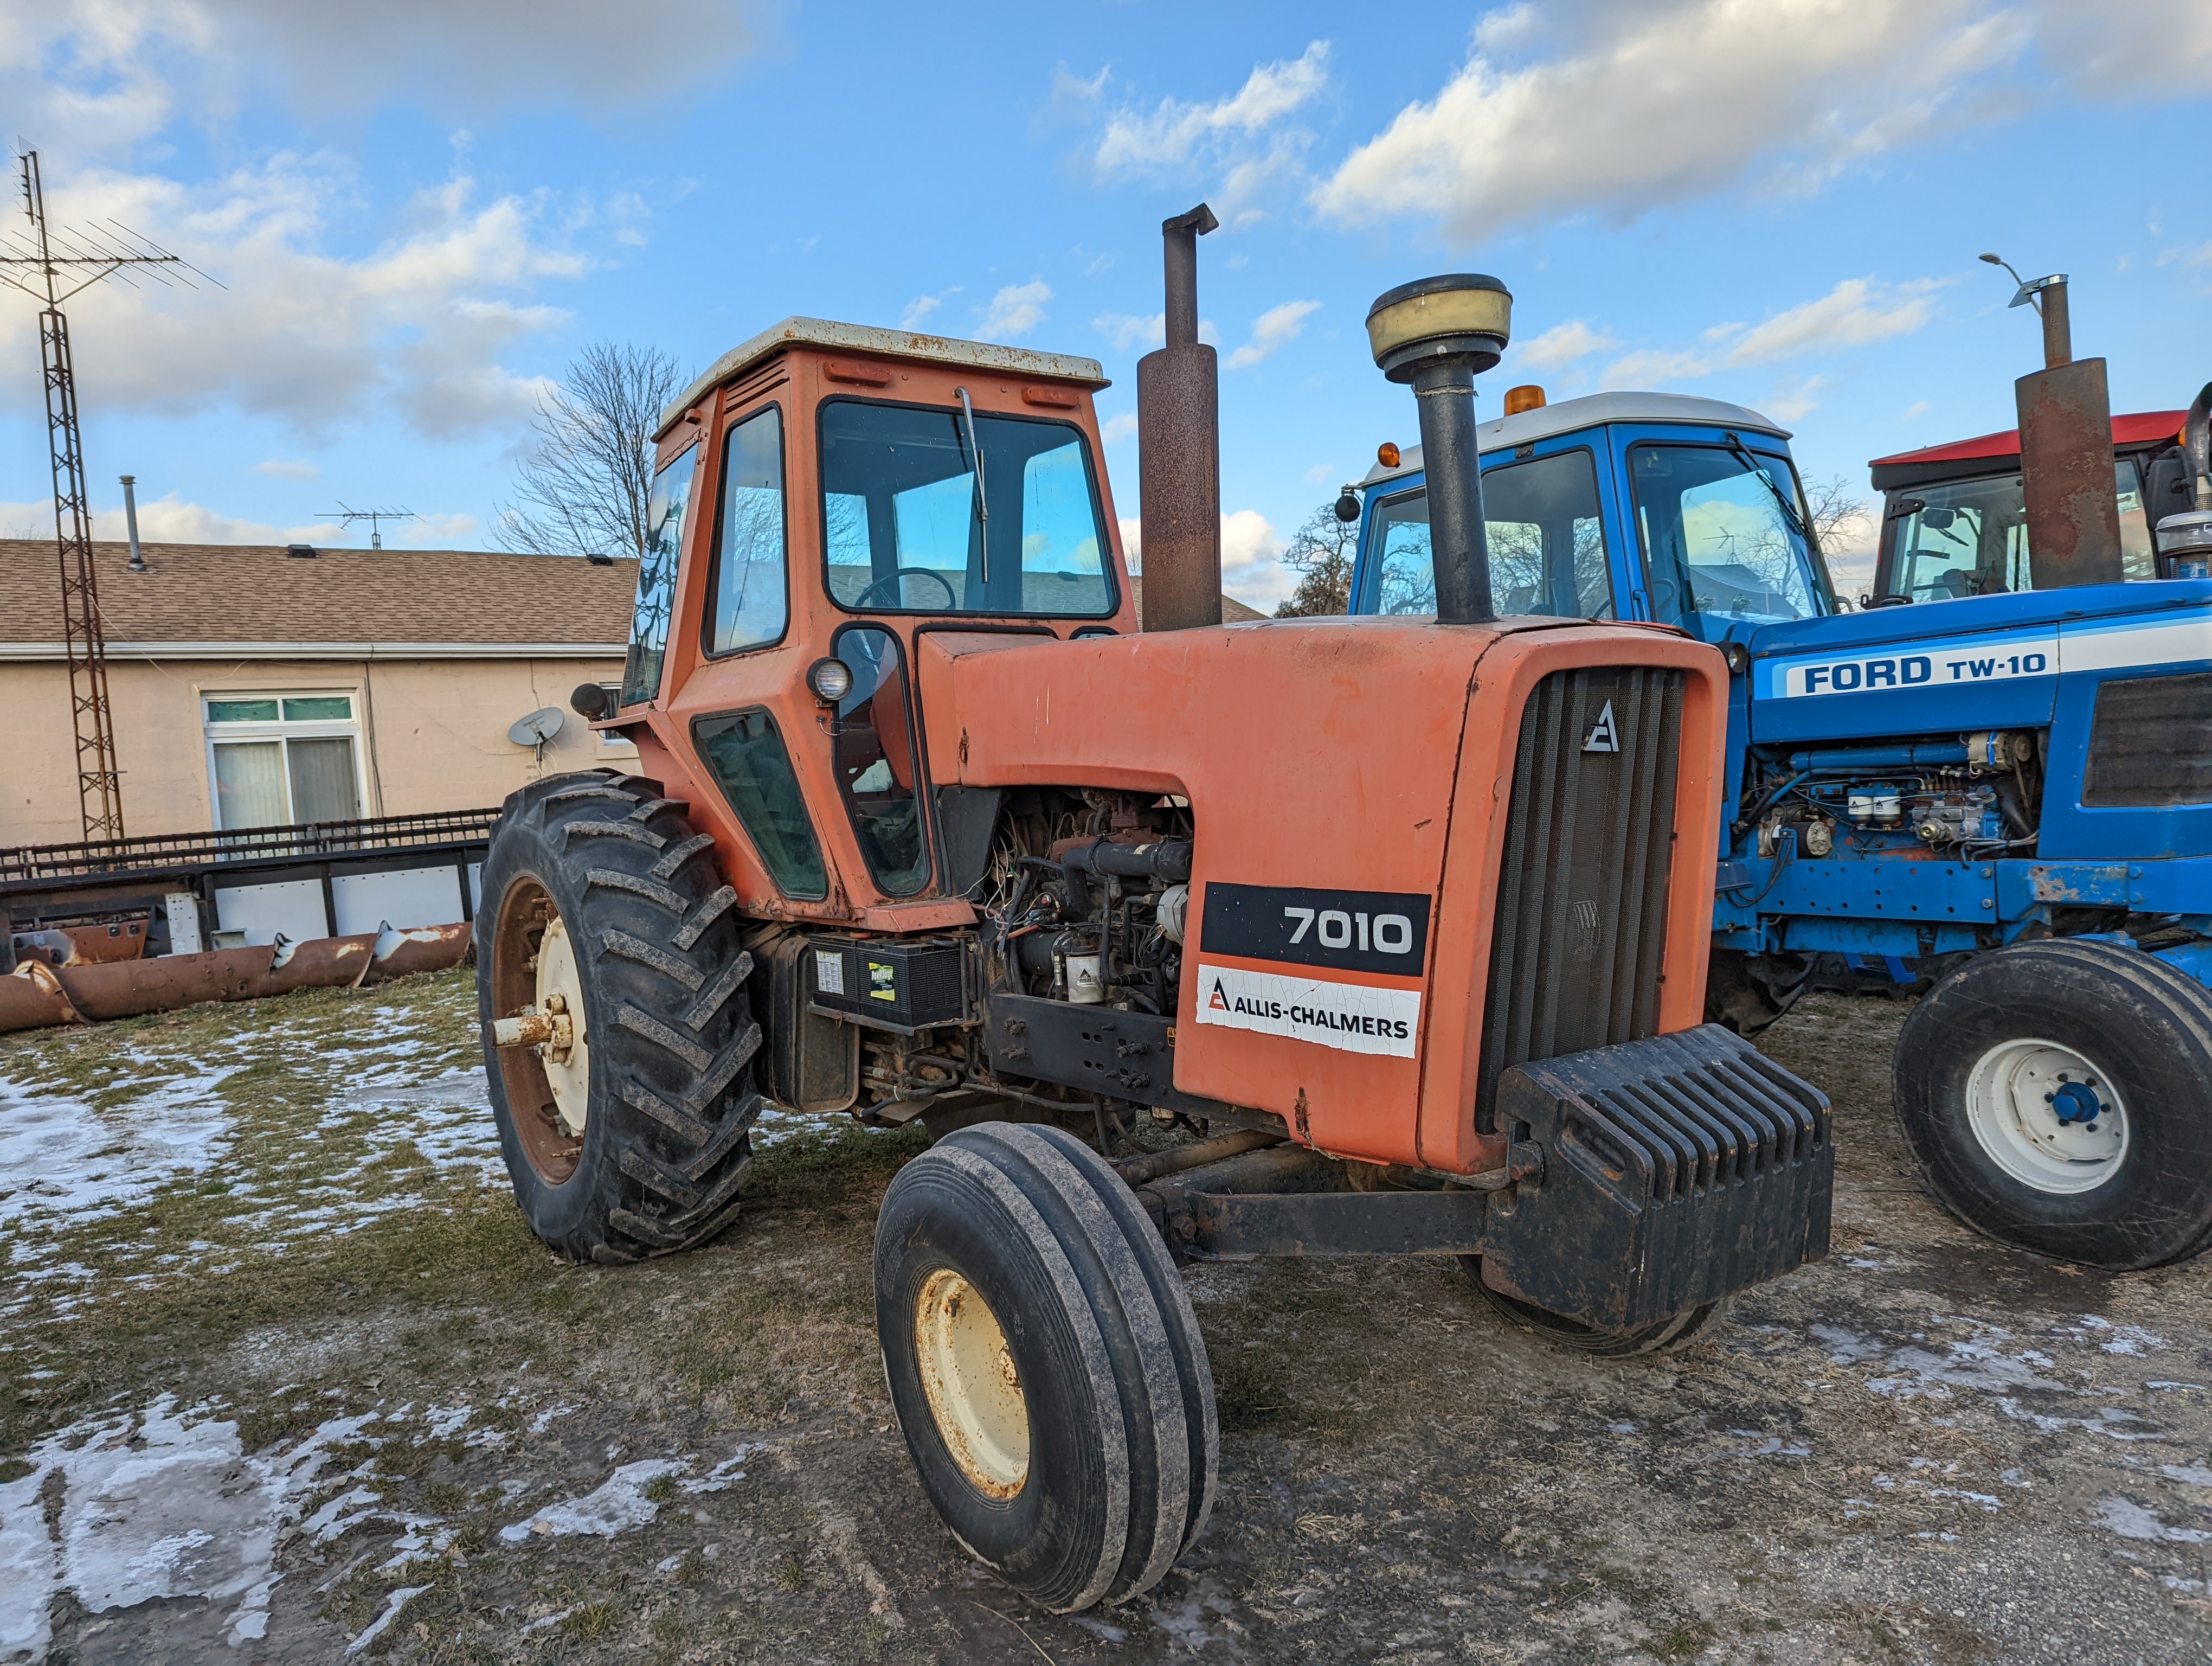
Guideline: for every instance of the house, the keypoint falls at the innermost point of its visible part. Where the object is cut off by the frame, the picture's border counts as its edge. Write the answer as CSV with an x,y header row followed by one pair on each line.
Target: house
x,y
256,686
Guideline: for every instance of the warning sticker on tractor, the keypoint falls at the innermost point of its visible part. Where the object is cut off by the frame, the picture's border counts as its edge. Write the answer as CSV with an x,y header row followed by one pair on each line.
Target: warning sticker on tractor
x,y
829,972
1353,1018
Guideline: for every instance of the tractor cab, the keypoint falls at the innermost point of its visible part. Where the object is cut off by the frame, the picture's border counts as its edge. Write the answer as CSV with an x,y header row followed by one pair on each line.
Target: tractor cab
x,y
826,496
1653,506
1954,517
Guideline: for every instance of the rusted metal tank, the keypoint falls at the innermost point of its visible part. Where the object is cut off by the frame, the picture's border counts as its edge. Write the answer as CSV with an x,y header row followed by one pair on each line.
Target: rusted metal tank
x,y
37,995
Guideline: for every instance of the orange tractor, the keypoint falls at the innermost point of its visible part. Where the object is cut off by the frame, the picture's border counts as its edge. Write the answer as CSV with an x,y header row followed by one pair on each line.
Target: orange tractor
x,y
1403,918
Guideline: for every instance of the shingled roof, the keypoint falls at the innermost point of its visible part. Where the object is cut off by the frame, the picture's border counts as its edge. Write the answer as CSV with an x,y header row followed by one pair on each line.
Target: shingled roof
x,y
211,598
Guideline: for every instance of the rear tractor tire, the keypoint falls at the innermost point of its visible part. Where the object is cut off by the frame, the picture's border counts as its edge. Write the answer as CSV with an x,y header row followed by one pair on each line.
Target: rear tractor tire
x,y
2055,1094
1044,1364
604,920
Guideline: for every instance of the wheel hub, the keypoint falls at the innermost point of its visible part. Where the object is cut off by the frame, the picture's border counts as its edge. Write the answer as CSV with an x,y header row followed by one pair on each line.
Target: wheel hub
x,y
974,1388
560,996
2047,1116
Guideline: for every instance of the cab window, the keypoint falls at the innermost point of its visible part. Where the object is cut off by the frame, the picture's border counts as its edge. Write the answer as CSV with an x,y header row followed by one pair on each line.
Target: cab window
x,y
915,521
1547,537
656,578
747,607
746,751
1970,537
1723,533
878,762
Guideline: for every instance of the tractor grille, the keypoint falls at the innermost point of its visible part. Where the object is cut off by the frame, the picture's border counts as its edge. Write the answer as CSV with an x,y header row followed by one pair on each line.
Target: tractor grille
x,y
1580,933
2150,742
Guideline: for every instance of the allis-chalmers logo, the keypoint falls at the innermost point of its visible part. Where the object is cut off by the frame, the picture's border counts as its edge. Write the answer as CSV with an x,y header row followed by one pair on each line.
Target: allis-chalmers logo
x,y
1602,737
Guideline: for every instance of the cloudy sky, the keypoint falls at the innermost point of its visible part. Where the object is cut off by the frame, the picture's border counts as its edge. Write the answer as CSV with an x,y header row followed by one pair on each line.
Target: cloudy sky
x,y
420,209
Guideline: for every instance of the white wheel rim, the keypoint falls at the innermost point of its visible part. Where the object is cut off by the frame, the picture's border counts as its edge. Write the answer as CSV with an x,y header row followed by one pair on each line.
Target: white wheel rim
x,y
975,1392
568,1078
2026,1101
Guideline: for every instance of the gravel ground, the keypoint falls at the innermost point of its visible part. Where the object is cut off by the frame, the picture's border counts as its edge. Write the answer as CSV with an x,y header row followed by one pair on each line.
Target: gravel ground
x,y
283,1378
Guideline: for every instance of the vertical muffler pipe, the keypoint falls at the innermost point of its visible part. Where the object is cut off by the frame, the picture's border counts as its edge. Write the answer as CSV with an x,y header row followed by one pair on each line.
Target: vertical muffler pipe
x,y
1179,449
2066,455
1436,333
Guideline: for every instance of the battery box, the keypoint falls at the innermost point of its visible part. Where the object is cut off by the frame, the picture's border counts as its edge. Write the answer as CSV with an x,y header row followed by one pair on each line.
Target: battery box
x,y
904,985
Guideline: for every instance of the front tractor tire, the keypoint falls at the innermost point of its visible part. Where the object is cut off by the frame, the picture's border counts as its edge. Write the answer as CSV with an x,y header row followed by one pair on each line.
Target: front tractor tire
x,y
608,962
1044,1364
2054,1093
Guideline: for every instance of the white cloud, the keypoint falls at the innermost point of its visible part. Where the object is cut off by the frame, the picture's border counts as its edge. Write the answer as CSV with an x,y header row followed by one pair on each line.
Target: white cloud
x,y
1274,330
1642,368
1854,313
1618,106
1128,331
87,76
1917,409
298,333
1858,313
921,306
168,520
2145,48
1562,345
1251,569
1175,133
1123,425
1794,398
1015,311
295,469
1319,472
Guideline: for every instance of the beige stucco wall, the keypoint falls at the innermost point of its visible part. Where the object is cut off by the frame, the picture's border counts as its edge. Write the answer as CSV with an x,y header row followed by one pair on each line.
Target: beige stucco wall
x,y
433,734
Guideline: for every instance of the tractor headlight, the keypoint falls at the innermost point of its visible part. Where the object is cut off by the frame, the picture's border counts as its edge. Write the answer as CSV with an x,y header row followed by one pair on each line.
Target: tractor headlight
x,y
830,679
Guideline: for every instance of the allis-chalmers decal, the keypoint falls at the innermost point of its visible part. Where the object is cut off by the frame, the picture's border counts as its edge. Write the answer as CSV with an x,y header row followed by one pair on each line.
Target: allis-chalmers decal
x,y
1360,930
1354,1017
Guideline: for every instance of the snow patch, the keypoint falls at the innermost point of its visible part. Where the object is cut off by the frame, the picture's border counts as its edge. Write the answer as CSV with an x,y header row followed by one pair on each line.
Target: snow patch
x,y
2131,1520
616,1506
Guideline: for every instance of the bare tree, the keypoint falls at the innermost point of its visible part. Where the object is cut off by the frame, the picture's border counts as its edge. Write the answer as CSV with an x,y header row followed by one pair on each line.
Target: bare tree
x,y
1320,552
584,487
1837,509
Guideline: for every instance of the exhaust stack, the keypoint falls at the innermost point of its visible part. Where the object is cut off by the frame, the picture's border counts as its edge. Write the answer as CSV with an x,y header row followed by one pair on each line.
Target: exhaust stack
x,y
1436,333
1179,449
2065,451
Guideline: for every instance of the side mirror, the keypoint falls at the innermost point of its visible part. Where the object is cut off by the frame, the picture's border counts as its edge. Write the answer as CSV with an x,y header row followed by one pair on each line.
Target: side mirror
x,y
591,701
1347,507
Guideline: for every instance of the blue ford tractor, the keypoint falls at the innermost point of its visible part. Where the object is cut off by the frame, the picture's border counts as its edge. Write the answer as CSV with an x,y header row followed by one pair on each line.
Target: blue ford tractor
x,y
1989,786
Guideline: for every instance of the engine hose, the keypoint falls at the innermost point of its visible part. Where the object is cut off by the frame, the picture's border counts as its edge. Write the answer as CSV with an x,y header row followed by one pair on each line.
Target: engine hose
x,y
1766,803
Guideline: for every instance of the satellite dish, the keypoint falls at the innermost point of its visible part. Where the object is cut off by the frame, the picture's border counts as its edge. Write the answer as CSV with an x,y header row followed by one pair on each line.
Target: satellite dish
x,y
535,730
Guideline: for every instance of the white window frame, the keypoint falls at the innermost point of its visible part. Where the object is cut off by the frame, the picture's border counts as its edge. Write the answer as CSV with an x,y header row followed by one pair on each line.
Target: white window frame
x,y
280,729
612,744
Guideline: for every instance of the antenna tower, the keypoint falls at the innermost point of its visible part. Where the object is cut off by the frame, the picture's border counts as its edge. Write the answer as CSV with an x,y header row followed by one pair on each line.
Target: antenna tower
x,y
50,266
375,518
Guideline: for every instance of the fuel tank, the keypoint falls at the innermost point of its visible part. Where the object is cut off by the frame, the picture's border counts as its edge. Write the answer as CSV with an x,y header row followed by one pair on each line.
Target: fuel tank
x,y
1424,854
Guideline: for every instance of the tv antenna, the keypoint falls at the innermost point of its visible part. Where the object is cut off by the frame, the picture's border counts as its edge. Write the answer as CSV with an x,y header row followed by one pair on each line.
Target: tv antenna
x,y
375,518
50,265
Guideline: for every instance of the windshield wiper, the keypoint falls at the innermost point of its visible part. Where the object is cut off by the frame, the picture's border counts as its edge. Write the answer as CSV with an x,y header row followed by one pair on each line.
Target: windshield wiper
x,y
982,499
1789,511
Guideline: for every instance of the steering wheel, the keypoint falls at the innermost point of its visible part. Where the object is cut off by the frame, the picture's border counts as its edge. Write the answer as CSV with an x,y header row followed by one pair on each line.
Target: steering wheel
x,y
951,600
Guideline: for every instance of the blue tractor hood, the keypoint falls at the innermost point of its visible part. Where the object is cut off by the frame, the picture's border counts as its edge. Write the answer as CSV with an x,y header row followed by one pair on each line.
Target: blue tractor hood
x,y
1977,662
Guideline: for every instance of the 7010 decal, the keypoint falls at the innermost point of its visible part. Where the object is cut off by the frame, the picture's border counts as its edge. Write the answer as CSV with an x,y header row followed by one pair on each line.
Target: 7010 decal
x,y
1353,931
1392,934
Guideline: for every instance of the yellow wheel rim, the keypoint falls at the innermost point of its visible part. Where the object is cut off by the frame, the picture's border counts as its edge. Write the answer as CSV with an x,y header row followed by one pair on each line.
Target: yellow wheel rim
x,y
561,988
974,1391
